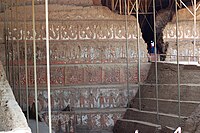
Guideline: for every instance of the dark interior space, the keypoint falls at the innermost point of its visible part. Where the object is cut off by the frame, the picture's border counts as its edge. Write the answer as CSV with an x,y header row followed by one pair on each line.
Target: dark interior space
x,y
165,10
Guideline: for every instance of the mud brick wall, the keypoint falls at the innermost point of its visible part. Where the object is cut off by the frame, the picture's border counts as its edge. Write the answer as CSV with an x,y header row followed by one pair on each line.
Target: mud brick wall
x,y
185,35
88,61
12,118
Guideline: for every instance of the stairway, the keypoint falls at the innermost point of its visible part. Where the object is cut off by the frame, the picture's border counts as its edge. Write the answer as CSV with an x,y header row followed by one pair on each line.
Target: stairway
x,y
146,120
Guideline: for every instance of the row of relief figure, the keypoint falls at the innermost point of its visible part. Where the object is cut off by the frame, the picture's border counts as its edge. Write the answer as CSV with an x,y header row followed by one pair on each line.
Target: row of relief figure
x,y
101,100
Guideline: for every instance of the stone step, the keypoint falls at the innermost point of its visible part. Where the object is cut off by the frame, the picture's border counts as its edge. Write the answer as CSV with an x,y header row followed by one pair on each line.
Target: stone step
x,y
187,92
167,74
129,126
166,106
169,120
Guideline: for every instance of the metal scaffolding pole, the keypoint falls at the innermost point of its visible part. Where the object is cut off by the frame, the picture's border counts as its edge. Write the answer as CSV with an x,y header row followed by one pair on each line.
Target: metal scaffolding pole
x,y
48,64
6,39
194,14
18,56
195,27
139,57
25,58
35,65
127,55
12,48
156,63
178,66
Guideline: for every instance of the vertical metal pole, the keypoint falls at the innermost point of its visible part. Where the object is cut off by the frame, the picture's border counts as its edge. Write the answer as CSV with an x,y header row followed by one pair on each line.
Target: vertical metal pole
x,y
120,6
127,53
48,64
26,64
35,65
156,63
139,57
113,5
18,56
195,26
8,26
6,40
178,66
128,10
12,47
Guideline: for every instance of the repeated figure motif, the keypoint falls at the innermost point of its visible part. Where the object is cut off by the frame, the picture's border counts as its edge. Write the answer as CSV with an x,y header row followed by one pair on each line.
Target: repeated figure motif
x,y
97,98
76,30
78,53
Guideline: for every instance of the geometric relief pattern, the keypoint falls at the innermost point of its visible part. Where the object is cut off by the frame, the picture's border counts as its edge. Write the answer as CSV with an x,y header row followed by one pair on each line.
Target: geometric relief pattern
x,y
98,120
93,75
74,75
66,121
186,41
111,75
41,76
57,76
62,122
132,74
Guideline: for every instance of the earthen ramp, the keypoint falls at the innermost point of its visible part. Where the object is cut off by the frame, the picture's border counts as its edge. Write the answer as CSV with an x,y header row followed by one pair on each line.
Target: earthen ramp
x,y
160,113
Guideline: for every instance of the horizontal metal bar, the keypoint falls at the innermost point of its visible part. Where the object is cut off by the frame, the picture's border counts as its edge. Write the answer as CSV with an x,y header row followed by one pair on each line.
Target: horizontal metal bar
x,y
187,8
197,7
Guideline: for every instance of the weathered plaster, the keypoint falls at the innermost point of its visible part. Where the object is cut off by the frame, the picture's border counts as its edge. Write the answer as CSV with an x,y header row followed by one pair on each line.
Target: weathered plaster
x,y
12,119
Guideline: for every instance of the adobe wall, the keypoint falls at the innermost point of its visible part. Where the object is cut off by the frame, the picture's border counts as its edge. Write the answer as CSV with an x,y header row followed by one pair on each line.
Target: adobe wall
x,y
12,118
185,35
88,62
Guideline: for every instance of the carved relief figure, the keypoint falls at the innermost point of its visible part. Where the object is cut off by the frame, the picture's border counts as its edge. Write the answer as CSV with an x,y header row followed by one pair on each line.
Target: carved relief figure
x,y
121,100
82,100
111,100
101,100
91,100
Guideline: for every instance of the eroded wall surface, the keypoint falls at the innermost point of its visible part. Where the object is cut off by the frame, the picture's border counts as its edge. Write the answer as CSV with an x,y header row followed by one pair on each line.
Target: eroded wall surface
x,y
88,63
12,118
186,36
